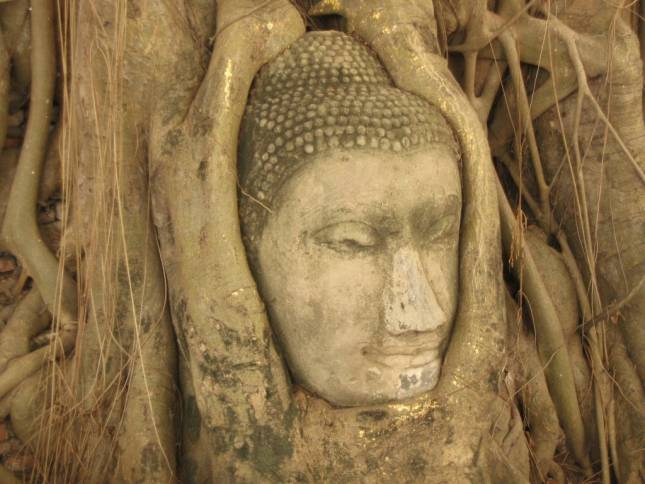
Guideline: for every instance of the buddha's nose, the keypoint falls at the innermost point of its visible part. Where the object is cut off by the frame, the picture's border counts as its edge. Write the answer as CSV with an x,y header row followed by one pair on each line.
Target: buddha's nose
x,y
410,303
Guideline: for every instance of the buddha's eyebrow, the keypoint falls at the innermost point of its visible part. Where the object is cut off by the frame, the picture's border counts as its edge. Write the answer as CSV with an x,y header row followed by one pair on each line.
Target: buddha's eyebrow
x,y
435,208
370,213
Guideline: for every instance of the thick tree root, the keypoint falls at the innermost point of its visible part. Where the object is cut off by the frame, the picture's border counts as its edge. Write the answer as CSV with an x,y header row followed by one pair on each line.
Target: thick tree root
x,y
5,406
571,58
249,33
7,477
28,319
551,342
20,231
5,73
20,228
530,384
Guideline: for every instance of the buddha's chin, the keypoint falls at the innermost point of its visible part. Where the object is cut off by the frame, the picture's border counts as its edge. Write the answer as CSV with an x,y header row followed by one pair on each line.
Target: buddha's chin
x,y
403,383
419,380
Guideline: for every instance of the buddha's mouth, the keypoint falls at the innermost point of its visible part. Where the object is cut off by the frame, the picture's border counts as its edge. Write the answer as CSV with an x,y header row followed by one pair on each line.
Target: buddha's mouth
x,y
401,356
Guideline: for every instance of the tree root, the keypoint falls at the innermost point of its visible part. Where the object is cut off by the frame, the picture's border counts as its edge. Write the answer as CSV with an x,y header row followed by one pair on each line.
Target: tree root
x,y
20,228
5,76
530,384
5,406
15,458
551,342
45,269
585,92
408,50
627,435
21,367
249,34
29,318
20,231
5,313
7,477
571,45
612,310
513,59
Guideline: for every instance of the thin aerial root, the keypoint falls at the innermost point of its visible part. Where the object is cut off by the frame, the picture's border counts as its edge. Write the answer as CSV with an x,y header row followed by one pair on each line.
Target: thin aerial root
x,y
470,59
540,412
489,91
547,95
512,167
513,58
602,435
599,373
611,431
613,309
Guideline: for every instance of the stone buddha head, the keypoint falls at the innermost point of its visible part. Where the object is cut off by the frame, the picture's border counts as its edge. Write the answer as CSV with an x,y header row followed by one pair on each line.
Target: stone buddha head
x,y
350,203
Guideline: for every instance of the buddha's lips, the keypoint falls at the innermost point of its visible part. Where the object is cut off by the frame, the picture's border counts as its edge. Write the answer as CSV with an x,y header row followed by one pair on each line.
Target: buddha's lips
x,y
401,356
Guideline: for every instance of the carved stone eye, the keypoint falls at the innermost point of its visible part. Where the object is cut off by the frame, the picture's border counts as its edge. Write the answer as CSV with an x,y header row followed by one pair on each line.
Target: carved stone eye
x,y
442,228
348,237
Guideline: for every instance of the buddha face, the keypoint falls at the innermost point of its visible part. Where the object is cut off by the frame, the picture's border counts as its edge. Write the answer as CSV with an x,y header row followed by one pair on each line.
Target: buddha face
x,y
358,266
